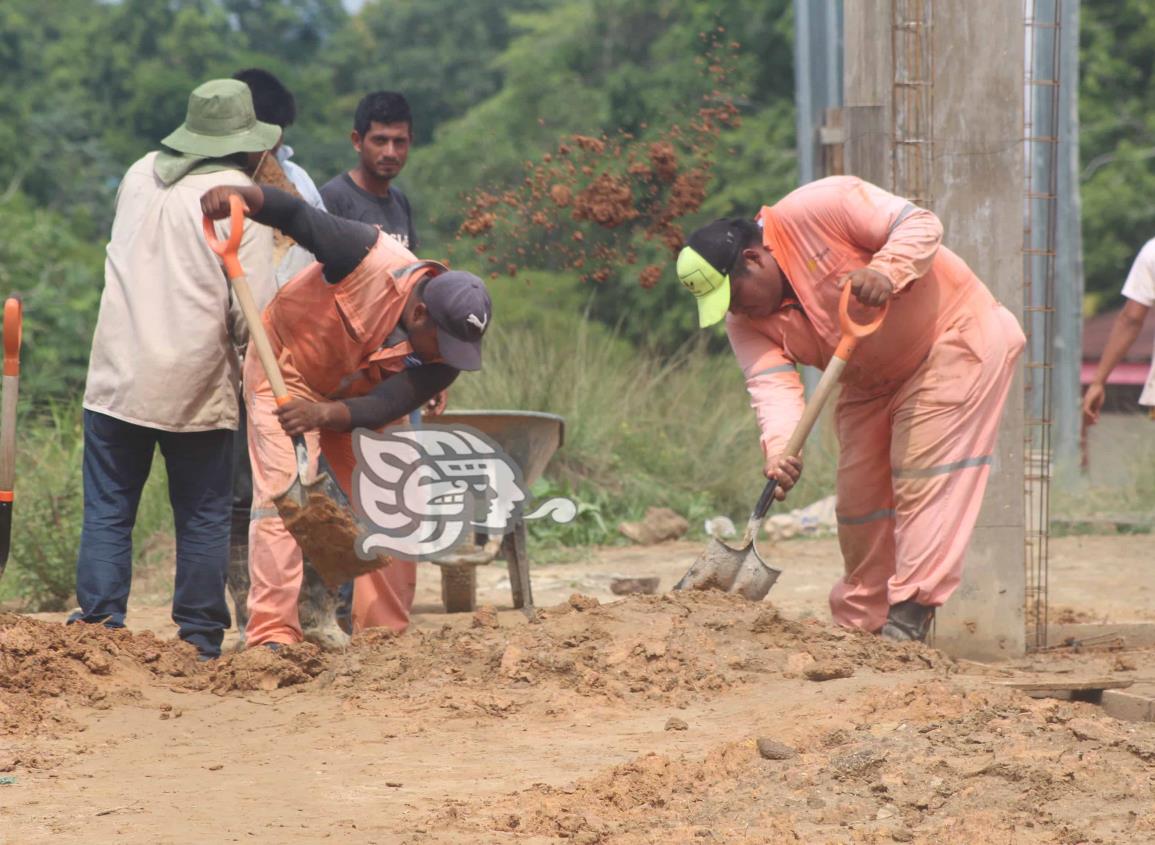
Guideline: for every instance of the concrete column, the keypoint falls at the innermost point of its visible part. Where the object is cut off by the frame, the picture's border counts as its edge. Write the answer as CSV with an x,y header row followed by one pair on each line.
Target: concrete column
x,y
977,191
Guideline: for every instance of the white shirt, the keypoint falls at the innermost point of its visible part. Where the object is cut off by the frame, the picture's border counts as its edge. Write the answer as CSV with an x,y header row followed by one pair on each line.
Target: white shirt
x,y
1140,287
296,258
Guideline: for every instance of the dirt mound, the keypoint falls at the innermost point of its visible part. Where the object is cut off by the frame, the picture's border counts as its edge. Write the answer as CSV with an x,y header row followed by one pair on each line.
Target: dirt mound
x,y
47,667
658,648
936,763
262,669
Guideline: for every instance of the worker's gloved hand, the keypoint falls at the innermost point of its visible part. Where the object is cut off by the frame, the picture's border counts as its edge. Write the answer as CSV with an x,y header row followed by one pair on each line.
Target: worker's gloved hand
x,y
870,287
1093,402
787,469
299,416
215,201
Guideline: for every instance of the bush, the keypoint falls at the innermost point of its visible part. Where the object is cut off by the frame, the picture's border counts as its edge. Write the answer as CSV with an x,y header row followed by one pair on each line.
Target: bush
x,y
49,511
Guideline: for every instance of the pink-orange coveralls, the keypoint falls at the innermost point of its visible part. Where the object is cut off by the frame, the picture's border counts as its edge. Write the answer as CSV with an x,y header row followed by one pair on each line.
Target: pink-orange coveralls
x,y
921,399
330,341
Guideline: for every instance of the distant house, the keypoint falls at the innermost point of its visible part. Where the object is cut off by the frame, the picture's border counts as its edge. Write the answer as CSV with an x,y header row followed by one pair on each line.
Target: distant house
x,y
1127,379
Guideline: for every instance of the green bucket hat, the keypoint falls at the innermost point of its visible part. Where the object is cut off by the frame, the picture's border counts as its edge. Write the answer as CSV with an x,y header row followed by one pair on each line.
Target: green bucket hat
x,y
704,266
221,121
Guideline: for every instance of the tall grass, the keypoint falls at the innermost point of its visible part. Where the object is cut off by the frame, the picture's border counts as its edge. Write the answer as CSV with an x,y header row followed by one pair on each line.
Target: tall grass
x,y
49,510
641,429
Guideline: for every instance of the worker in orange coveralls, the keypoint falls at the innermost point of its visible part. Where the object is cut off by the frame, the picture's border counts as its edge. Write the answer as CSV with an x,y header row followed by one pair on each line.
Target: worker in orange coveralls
x,y
921,399
364,337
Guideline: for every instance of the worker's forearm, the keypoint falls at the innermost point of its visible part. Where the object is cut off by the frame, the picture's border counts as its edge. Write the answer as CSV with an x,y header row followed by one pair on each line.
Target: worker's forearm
x,y
1123,333
398,396
909,252
339,244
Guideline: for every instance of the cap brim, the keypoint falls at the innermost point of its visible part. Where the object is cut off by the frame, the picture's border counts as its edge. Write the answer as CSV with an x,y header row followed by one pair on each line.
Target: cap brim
x,y
712,307
263,136
460,354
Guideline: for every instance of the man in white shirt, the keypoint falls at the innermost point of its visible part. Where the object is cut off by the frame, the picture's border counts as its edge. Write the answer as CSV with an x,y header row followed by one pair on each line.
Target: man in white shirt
x,y
164,368
1139,289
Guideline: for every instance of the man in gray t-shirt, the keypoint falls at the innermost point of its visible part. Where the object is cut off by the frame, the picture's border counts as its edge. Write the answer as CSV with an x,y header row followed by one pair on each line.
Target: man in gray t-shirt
x,y
382,134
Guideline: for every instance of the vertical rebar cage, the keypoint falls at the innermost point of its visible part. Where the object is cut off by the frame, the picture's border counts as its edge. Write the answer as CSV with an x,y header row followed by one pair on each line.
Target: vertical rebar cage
x,y
1040,223
912,99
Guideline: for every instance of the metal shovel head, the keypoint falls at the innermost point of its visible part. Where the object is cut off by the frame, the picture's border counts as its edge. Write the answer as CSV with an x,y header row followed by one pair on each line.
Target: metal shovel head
x,y
319,517
715,569
755,577
722,567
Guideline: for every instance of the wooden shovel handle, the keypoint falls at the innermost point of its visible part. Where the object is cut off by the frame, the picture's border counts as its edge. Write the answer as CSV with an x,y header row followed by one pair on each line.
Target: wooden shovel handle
x,y
228,253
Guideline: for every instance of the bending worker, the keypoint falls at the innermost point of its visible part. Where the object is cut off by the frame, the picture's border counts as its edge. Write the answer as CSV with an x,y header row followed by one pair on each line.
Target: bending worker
x,y
364,336
920,402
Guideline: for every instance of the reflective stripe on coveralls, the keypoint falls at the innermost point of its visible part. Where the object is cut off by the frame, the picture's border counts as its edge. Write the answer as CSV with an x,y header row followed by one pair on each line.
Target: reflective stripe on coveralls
x,y
920,402
330,342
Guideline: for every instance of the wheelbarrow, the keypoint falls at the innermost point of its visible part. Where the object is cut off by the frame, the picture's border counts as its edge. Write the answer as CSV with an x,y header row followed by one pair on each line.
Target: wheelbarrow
x,y
530,439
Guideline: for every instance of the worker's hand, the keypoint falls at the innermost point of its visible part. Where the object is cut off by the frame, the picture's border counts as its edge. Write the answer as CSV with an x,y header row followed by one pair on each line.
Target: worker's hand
x,y
1093,403
787,470
870,287
215,201
299,416
435,406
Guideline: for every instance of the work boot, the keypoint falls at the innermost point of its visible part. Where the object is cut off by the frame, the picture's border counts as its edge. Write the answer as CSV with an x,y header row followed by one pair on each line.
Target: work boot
x,y
907,621
237,579
317,611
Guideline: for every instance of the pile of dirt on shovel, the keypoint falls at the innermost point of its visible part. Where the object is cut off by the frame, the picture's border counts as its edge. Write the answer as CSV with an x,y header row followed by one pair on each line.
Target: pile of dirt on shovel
x,y
939,763
46,668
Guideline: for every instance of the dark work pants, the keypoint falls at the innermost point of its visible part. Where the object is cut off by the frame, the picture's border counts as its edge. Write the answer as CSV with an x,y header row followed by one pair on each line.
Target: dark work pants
x,y
117,461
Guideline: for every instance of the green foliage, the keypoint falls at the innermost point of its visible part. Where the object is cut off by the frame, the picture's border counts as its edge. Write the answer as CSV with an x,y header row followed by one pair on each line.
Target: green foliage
x,y
1117,140
49,510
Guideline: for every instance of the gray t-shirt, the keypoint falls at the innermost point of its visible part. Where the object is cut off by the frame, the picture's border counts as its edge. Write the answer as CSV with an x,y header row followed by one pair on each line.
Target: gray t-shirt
x,y
390,213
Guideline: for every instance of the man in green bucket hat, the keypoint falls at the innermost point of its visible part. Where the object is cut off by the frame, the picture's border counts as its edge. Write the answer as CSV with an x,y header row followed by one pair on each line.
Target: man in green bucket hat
x,y
164,368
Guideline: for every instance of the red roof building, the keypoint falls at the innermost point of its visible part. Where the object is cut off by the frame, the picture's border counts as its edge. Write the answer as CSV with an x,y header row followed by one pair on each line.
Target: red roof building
x,y
1133,369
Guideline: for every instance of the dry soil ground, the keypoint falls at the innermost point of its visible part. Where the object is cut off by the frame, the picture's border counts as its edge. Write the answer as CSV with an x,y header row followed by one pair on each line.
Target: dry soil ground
x,y
600,720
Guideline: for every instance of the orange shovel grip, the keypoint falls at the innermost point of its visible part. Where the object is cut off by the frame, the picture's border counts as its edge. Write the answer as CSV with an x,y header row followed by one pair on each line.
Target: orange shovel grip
x,y
853,332
228,250
13,328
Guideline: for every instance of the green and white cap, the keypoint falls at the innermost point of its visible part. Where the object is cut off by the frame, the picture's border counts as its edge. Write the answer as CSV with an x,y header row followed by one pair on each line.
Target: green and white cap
x,y
705,264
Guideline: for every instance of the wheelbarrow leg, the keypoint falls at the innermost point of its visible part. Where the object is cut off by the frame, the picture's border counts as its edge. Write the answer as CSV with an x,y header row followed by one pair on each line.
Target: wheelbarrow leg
x,y
513,547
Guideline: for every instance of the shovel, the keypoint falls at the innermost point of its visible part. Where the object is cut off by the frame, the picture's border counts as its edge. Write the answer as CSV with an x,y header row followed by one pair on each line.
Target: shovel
x,y
12,330
742,570
317,513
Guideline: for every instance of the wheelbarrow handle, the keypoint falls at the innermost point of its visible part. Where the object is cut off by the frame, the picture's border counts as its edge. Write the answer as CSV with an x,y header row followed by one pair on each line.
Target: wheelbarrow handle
x,y
228,253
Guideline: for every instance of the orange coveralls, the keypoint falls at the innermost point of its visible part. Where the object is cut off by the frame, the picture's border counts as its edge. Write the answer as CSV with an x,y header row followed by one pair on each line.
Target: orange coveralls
x,y
921,399
331,342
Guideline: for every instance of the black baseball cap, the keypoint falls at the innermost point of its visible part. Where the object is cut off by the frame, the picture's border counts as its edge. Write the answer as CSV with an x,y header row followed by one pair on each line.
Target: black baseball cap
x,y
459,305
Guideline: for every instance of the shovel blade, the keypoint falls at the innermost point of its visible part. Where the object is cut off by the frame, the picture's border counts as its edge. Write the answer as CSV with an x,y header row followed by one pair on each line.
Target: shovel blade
x,y
319,517
722,567
716,568
755,577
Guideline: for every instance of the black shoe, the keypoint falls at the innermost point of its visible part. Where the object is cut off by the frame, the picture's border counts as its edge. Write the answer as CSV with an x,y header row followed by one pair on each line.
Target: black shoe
x,y
907,621
205,658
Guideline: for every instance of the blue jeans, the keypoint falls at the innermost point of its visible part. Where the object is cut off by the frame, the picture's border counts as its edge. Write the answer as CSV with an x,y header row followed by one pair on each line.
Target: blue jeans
x,y
117,461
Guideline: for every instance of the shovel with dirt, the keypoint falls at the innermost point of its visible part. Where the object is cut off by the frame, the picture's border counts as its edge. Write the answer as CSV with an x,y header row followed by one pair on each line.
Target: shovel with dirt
x,y
742,570
317,512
